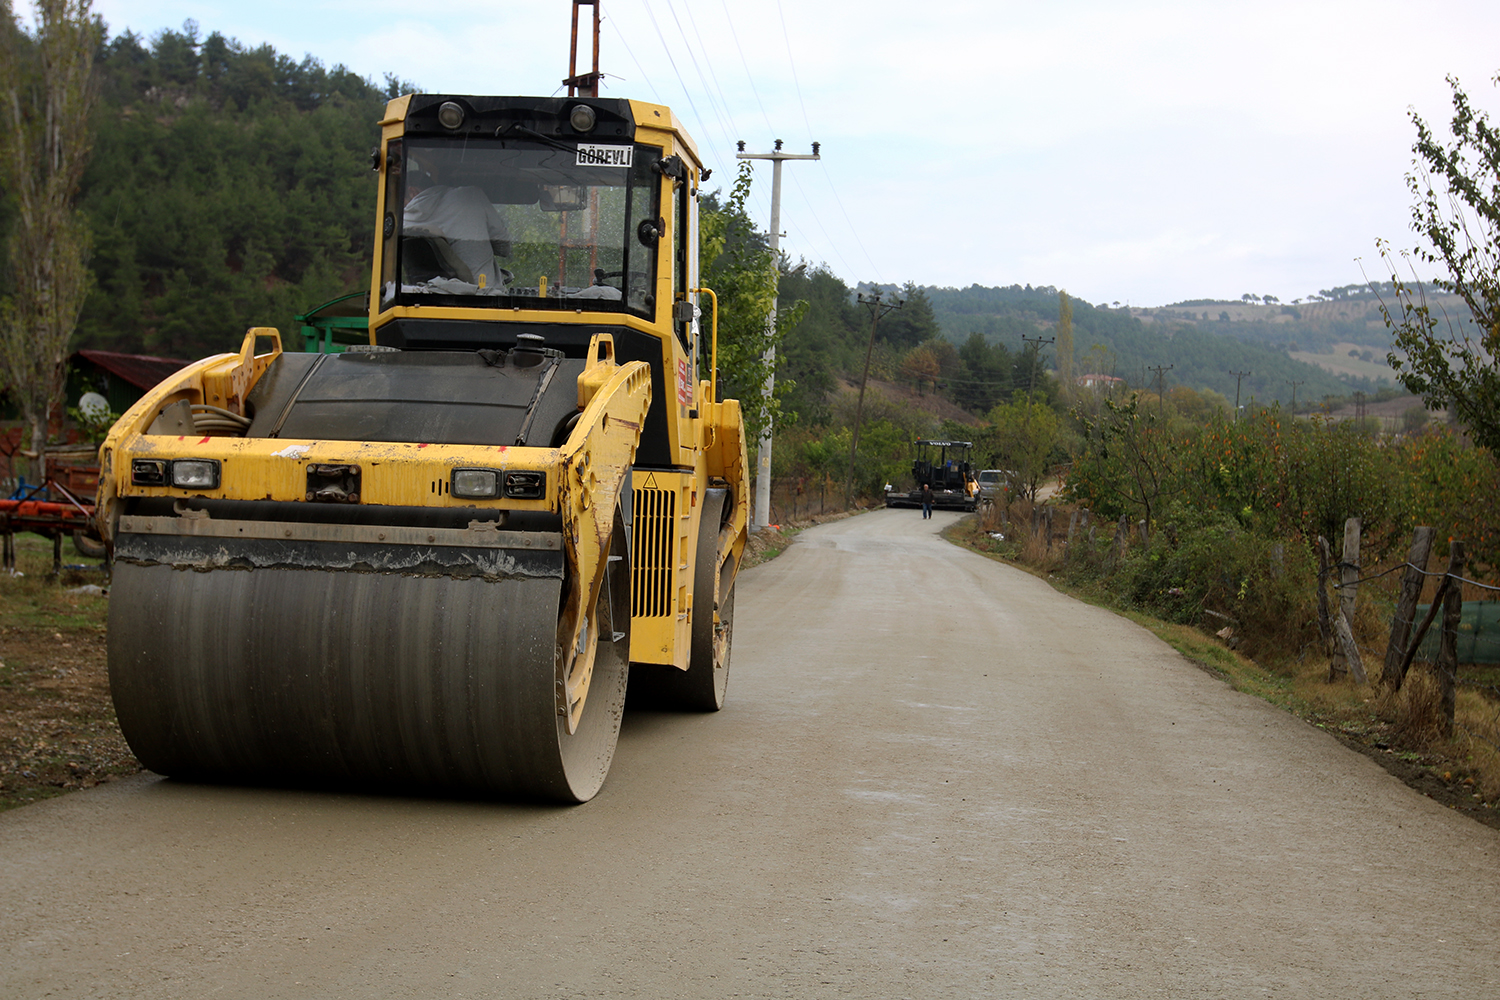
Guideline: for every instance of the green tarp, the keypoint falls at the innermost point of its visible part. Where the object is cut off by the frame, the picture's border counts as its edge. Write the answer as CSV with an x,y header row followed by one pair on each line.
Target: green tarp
x,y
1478,633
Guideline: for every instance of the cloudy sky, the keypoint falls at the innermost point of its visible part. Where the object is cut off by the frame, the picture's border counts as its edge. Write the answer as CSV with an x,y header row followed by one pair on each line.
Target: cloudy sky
x,y
1140,152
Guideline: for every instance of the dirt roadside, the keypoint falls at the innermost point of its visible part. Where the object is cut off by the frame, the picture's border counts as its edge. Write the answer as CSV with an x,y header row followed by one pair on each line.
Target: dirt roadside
x,y
57,725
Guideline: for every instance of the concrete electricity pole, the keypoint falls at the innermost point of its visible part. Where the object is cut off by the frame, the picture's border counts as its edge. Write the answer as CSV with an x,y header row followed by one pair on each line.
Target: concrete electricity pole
x,y
761,516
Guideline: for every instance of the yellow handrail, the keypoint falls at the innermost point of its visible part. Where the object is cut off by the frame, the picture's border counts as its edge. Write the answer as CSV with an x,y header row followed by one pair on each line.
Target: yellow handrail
x,y
713,356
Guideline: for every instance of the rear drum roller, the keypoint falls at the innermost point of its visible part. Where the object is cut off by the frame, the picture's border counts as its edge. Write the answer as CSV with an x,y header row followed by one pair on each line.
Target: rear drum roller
x,y
295,675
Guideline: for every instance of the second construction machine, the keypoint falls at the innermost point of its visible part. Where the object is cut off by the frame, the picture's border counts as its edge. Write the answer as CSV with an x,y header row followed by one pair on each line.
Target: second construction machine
x,y
432,561
943,466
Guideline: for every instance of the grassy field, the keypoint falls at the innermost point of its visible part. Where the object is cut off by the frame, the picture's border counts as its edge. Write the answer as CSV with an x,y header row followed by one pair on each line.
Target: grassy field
x,y
1339,362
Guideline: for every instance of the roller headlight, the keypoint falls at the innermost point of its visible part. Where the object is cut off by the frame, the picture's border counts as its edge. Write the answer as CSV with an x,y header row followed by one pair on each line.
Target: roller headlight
x,y
582,118
476,484
450,115
195,474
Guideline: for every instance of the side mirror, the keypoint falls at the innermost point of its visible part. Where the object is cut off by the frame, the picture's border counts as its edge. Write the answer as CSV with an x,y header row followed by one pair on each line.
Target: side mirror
x,y
651,230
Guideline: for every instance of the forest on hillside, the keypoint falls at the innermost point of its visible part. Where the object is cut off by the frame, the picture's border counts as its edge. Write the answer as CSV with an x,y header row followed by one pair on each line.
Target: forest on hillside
x,y
1128,343
229,187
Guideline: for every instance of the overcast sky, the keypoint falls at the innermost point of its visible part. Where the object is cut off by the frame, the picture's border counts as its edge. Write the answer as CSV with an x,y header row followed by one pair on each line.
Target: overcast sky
x,y
1140,152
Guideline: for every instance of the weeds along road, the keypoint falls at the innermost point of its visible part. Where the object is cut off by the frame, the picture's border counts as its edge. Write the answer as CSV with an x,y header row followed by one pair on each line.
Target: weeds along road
x,y
935,777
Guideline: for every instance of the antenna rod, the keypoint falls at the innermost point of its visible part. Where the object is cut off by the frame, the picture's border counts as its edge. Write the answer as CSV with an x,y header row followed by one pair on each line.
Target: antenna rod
x,y
587,84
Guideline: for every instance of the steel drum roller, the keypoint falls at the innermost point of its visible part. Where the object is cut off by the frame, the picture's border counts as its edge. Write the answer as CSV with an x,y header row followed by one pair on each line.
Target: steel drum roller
x,y
387,679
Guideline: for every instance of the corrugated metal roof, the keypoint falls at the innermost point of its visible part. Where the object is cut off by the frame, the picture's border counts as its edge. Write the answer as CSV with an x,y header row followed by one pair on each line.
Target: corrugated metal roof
x,y
140,370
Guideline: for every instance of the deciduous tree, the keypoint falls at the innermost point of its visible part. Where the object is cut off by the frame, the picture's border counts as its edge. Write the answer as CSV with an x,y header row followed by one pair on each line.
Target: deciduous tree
x,y
1024,434
46,85
1452,361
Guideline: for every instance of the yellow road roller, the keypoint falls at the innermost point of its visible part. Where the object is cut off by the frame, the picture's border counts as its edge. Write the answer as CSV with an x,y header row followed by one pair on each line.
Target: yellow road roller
x,y
434,561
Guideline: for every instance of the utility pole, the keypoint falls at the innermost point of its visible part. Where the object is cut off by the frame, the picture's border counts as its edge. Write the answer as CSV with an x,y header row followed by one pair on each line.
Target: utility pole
x,y
877,310
763,453
1294,395
1238,377
1161,395
1036,359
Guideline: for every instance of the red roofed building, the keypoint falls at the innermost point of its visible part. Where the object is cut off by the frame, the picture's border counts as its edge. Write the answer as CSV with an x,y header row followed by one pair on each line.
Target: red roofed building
x,y
120,378
1103,383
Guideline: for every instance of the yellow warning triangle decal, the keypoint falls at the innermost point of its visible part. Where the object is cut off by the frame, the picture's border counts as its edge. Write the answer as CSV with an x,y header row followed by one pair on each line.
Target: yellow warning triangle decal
x,y
650,483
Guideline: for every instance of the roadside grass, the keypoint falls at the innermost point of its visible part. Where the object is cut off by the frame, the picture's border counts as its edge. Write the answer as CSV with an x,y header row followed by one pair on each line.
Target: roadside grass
x,y
34,598
1400,731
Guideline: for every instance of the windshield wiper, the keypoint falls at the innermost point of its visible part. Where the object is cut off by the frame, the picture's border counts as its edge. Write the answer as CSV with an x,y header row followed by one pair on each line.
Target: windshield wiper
x,y
531,133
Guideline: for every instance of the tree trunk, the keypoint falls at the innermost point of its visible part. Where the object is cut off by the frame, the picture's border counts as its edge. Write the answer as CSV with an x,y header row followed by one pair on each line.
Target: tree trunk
x,y
38,424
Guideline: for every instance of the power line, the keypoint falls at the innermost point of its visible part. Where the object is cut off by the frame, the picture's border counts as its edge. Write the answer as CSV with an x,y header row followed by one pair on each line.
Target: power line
x,y
854,232
792,64
807,202
628,51
746,63
686,93
693,55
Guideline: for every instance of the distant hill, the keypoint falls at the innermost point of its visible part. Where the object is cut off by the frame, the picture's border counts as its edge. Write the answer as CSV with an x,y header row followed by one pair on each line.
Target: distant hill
x,y
1330,345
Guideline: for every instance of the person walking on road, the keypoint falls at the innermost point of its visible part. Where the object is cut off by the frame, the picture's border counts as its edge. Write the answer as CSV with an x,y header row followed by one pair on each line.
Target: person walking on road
x,y
926,501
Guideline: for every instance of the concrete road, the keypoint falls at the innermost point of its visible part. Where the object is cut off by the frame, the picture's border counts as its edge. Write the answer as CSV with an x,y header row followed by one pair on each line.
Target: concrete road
x,y
935,778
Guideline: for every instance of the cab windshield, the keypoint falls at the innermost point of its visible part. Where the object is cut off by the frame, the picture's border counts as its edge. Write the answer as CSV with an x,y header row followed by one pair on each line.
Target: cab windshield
x,y
523,222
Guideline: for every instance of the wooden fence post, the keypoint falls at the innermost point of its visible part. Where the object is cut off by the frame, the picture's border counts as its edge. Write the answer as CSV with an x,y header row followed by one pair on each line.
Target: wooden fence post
x,y
1047,528
1122,537
1453,612
1325,628
1072,527
1406,607
1145,530
1348,577
1350,651
1349,569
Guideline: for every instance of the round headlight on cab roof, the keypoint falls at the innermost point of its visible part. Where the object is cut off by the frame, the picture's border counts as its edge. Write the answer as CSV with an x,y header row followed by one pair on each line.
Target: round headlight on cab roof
x,y
582,118
450,115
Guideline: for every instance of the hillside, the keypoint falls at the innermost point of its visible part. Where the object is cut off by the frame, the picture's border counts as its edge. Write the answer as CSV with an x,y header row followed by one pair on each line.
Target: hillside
x,y
1127,343
230,187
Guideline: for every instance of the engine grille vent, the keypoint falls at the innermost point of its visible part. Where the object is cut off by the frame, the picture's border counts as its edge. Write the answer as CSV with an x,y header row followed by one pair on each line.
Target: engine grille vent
x,y
651,576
